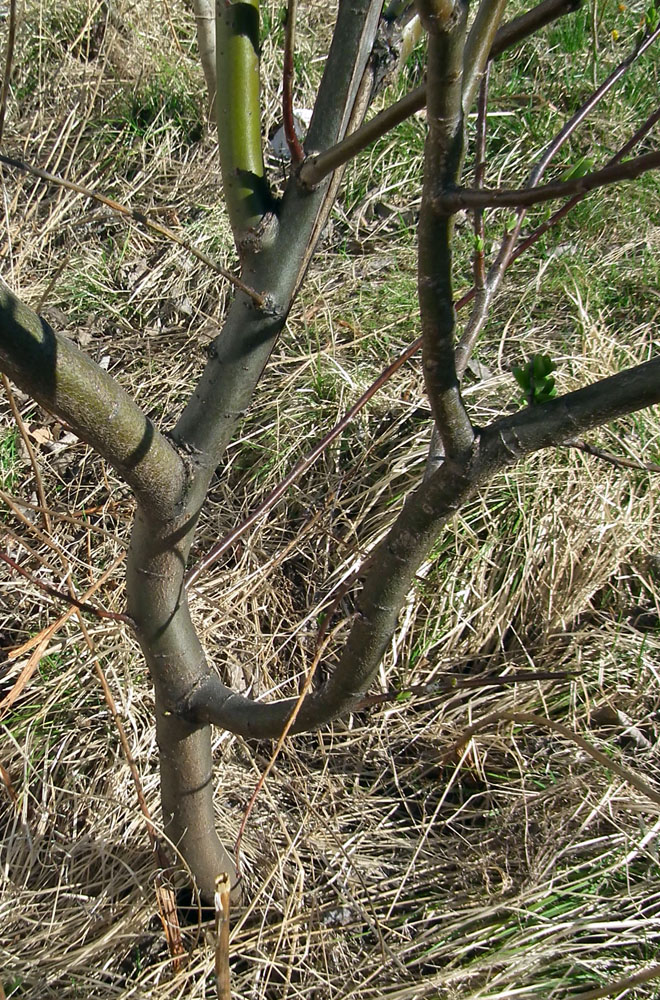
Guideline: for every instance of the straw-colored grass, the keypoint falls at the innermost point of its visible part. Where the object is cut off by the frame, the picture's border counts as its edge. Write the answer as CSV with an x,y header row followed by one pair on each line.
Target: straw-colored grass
x,y
381,859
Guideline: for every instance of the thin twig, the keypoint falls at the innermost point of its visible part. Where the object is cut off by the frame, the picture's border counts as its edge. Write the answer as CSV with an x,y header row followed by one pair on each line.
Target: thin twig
x,y
454,201
562,212
301,466
137,216
62,596
22,430
41,640
9,58
14,502
479,268
616,460
454,683
296,150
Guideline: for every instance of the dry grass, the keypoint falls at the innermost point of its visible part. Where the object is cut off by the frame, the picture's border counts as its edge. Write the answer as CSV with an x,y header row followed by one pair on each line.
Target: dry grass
x,y
379,860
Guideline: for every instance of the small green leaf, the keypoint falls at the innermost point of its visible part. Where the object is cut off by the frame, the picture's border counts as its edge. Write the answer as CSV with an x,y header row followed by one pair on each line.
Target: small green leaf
x,y
404,696
583,166
535,379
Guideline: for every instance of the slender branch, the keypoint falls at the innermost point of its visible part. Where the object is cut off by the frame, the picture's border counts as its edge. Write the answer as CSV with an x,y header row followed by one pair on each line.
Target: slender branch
x,y
9,58
222,907
478,47
392,566
452,683
68,383
137,216
309,678
530,22
442,163
295,149
479,266
629,170
572,124
299,468
410,34
562,212
616,460
61,595
205,26
316,167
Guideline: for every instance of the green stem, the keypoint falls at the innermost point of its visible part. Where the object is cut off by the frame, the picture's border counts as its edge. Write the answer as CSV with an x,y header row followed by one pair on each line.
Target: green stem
x,y
239,117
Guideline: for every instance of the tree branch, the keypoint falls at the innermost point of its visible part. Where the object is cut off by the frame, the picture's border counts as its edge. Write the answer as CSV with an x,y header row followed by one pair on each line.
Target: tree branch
x,y
238,111
391,567
479,46
205,26
295,149
318,166
443,158
69,384
575,413
530,22
629,170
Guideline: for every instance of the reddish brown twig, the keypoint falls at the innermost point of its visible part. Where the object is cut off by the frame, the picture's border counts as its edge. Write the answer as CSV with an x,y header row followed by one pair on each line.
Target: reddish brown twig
x,y
309,677
296,150
618,461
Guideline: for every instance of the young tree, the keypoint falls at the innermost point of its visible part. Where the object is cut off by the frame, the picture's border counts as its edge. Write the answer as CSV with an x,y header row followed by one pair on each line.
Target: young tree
x,y
170,471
